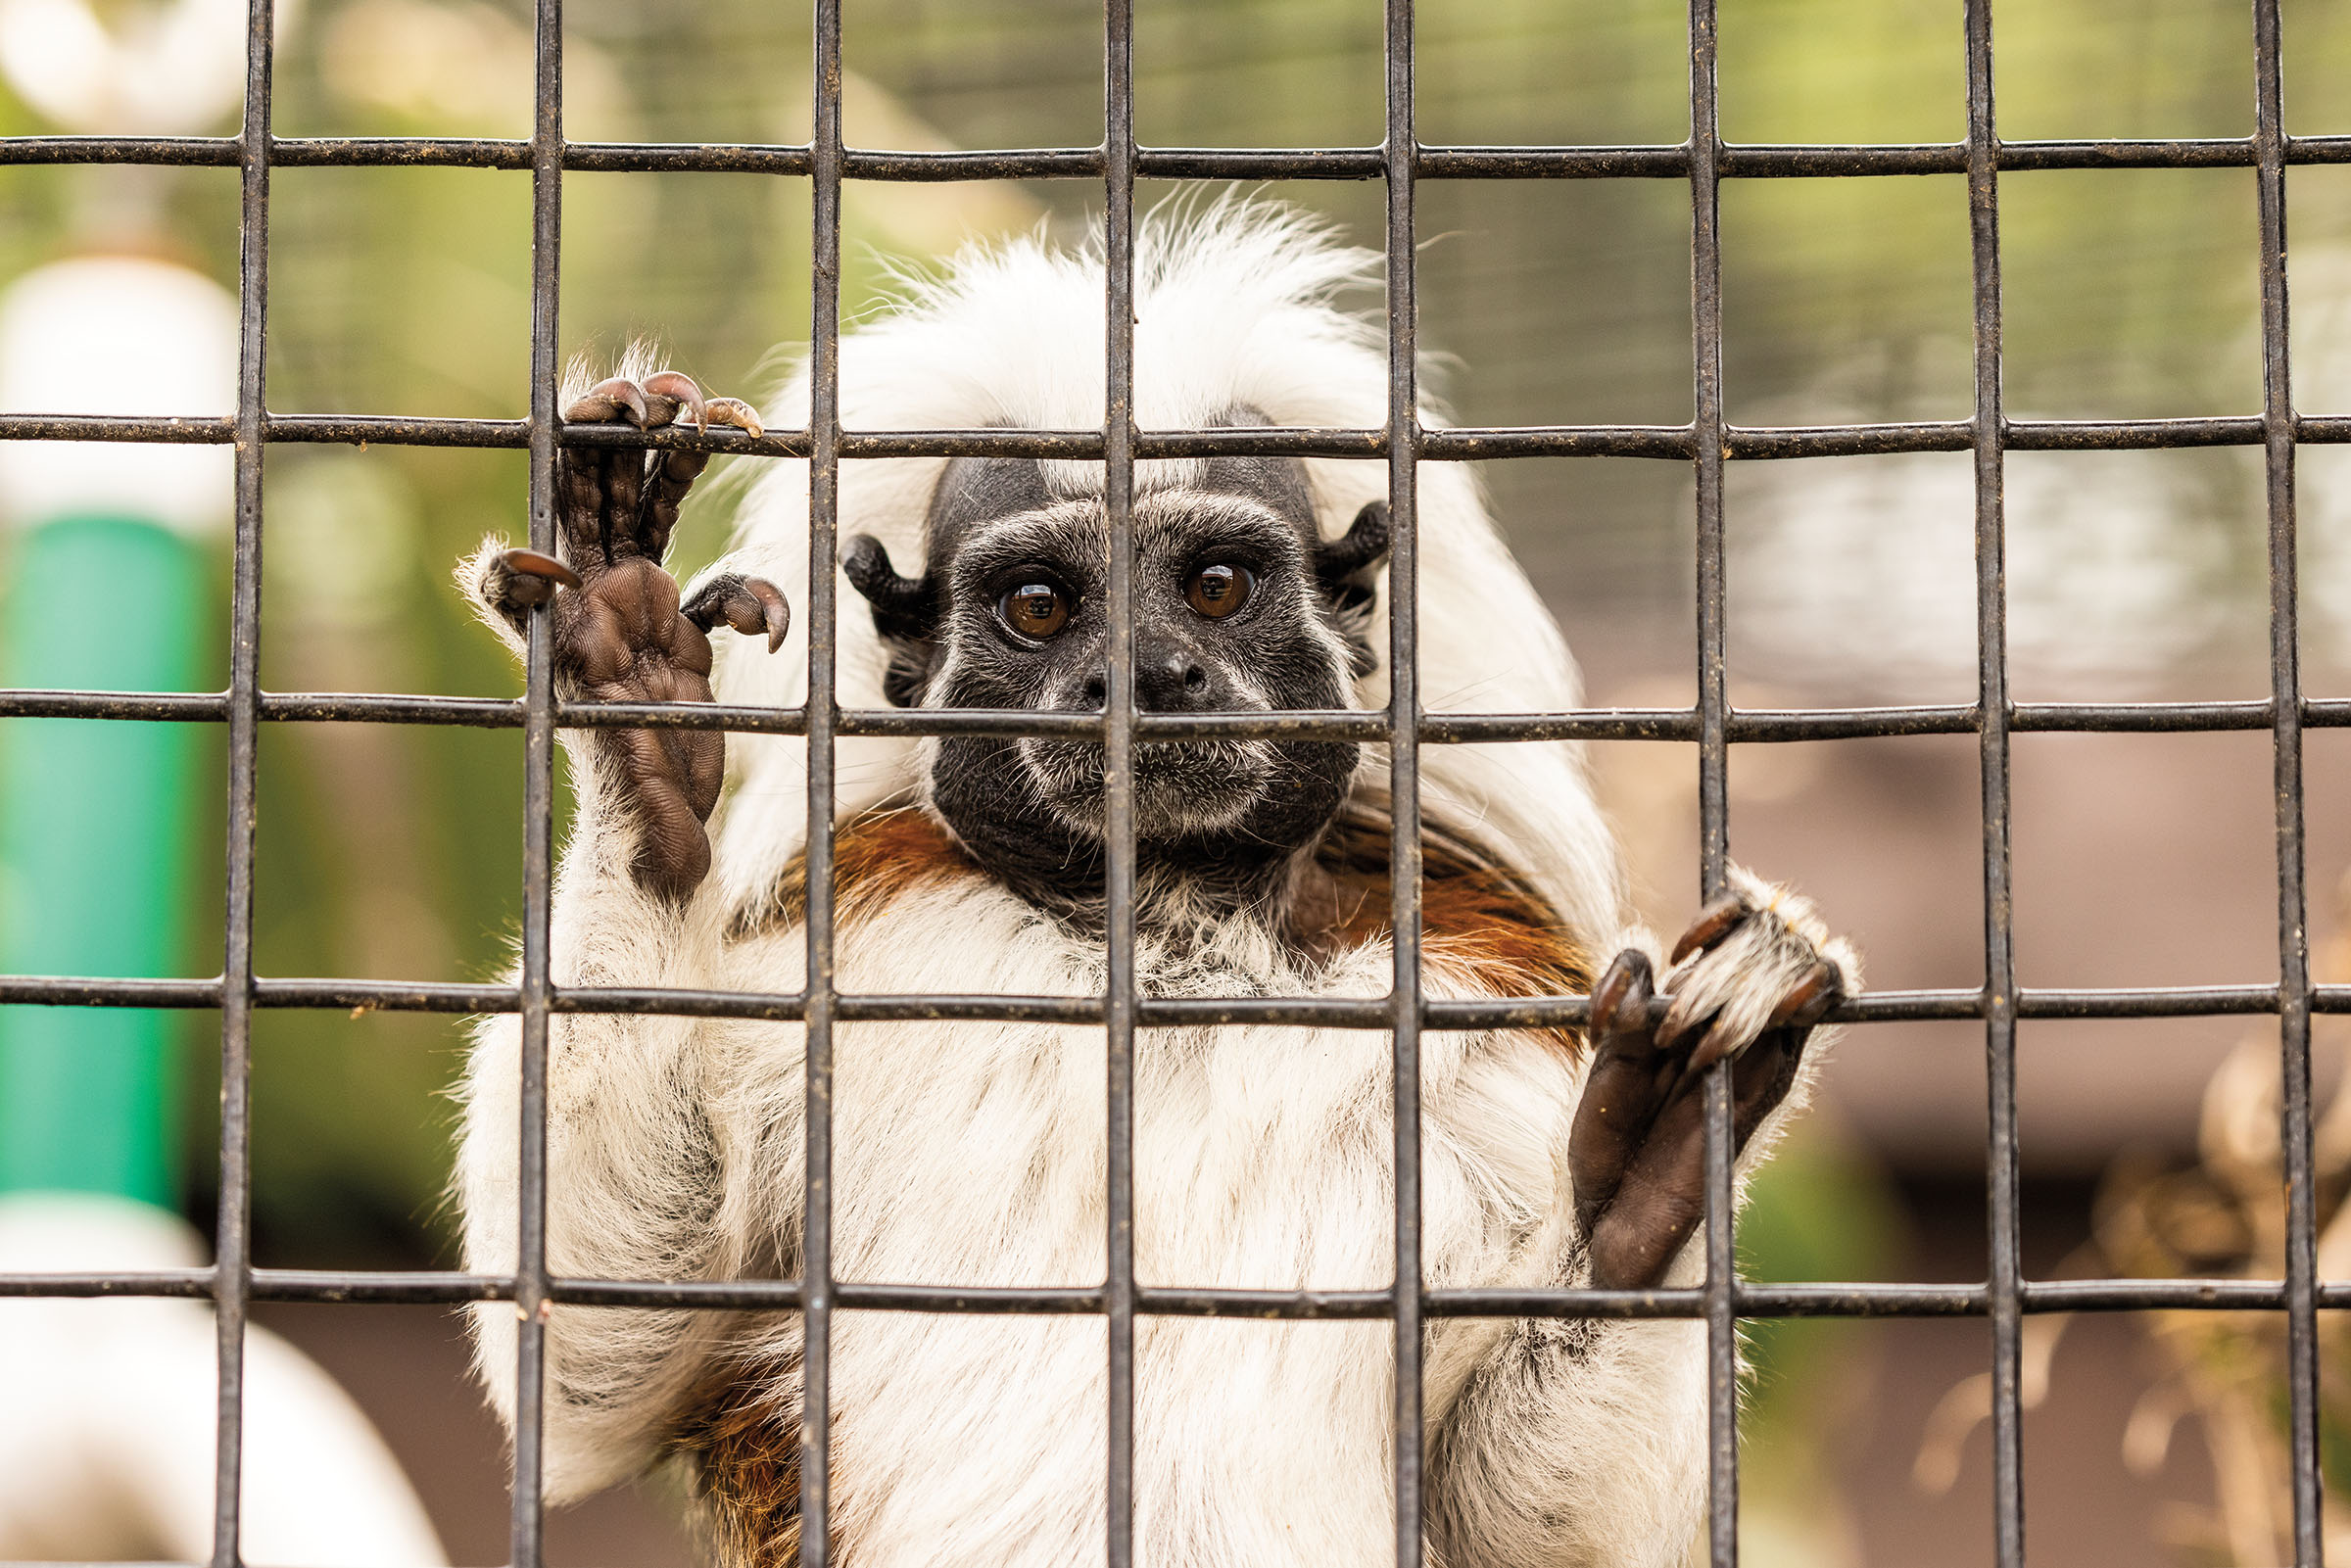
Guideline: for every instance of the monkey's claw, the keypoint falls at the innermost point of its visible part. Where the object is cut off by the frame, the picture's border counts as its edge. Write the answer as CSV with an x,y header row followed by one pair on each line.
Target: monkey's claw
x,y
752,605
534,577
1748,981
733,412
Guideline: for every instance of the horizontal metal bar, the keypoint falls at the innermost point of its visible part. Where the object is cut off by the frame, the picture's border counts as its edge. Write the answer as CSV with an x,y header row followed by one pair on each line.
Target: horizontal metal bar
x,y
1753,1301
1773,726
1669,161
1467,443
1349,1013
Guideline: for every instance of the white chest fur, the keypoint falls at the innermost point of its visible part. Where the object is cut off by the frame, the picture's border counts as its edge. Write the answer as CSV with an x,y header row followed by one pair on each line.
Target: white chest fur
x,y
974,1154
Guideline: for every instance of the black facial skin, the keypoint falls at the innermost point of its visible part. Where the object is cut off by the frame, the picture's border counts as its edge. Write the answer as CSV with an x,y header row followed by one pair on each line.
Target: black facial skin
x,y
1011,614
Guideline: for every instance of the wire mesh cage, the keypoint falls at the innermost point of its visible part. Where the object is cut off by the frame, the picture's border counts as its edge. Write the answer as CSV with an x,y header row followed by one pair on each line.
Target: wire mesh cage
x,y
1705,445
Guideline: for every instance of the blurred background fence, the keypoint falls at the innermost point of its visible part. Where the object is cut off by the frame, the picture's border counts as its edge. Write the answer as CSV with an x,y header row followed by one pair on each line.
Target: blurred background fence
x,y
390,852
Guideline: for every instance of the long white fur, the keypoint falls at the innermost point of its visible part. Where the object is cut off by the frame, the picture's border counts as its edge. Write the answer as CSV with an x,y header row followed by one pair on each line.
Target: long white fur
x,y
973,1152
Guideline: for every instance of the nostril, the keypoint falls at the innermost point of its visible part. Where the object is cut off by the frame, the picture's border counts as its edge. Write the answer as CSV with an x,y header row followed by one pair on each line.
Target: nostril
x,y
1097,691
1195,678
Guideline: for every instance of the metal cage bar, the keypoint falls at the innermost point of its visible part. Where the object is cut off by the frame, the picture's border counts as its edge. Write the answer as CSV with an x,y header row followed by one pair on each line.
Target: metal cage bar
x,y
2285,685
821,1002
536,984
1989,447
1119,1002
1708,427
232,1254
1404,772
1707,442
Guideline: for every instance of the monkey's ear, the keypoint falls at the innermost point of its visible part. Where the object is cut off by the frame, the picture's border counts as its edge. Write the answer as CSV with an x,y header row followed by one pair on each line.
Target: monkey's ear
x,y
905,613
1343,569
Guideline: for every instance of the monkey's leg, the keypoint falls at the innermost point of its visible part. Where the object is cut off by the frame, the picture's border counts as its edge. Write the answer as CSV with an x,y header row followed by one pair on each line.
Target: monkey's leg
x,y
1749,982
620,631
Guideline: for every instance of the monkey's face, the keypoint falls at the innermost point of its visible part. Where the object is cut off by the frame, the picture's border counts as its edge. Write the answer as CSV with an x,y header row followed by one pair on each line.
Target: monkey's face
x,y
1230,615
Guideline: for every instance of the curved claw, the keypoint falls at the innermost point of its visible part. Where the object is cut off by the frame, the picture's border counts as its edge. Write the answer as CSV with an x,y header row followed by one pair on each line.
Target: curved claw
x,y
751,605
1809,1002
1620,1001
606,399
1716,922
532,563
1712,1047
775,613
732,411
679,388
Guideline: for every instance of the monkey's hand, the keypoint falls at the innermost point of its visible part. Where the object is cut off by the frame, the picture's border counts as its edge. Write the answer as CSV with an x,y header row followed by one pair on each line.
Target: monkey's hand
x,y
619,631
1748,981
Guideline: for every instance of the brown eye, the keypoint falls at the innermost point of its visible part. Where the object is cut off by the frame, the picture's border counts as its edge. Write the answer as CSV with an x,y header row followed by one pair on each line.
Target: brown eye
x,y
1036,610
1215,591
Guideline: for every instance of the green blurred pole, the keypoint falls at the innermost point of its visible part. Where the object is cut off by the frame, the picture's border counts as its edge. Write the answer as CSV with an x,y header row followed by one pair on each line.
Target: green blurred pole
x,y
93,854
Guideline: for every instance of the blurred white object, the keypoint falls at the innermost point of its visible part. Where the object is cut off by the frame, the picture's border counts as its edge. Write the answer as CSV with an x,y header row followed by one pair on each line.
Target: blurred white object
x,y
118,335
162,69
107,1411
1860,573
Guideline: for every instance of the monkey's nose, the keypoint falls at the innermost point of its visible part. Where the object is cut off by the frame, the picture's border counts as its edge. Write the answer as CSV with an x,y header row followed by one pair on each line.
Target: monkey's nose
x,y
1166,681
1170,681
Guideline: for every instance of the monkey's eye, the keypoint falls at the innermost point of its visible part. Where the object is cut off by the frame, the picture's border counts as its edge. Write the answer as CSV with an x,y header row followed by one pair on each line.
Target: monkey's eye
x,y
1218,591
1035,610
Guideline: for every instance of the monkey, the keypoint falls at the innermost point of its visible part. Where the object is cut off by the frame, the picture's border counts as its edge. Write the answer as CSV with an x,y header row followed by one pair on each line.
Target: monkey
x,y
973,1152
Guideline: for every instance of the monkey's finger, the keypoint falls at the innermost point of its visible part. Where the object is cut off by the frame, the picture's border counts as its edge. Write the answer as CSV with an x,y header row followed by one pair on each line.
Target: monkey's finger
x,y
1723,1036
1811,998
1733,1030
1761,1079
1662,1197
673,475
1714,923
733,412
579,498
1657,1206
1623,1090
621,505
751,605
536,567
673,391
1620,1001
615,399
598,495
521,580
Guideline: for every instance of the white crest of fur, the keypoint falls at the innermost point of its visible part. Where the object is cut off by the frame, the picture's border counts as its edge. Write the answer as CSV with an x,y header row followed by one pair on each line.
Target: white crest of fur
x,y
1234,306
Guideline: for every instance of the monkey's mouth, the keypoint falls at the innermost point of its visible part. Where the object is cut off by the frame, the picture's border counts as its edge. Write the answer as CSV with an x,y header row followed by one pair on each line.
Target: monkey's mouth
x,y
1182,787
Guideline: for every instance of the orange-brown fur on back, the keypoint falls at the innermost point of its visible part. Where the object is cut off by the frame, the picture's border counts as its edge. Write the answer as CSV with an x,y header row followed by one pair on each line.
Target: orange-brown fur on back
x,y
742,1437
1478,916
877,858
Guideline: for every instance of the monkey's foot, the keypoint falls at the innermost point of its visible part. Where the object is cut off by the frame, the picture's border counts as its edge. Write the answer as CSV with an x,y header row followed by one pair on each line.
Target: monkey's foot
x,y
1748,981
620,633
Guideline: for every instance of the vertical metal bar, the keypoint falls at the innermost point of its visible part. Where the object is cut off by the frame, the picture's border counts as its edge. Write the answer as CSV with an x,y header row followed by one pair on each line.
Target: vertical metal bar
x,y
1117,773
2285,690
1714,770
233,1259
824,497
1404,765
538,802
1999,945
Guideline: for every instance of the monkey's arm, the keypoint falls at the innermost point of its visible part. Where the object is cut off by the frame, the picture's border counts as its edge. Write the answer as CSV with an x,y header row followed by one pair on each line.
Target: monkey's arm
x,y
636,1170
1582,1441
